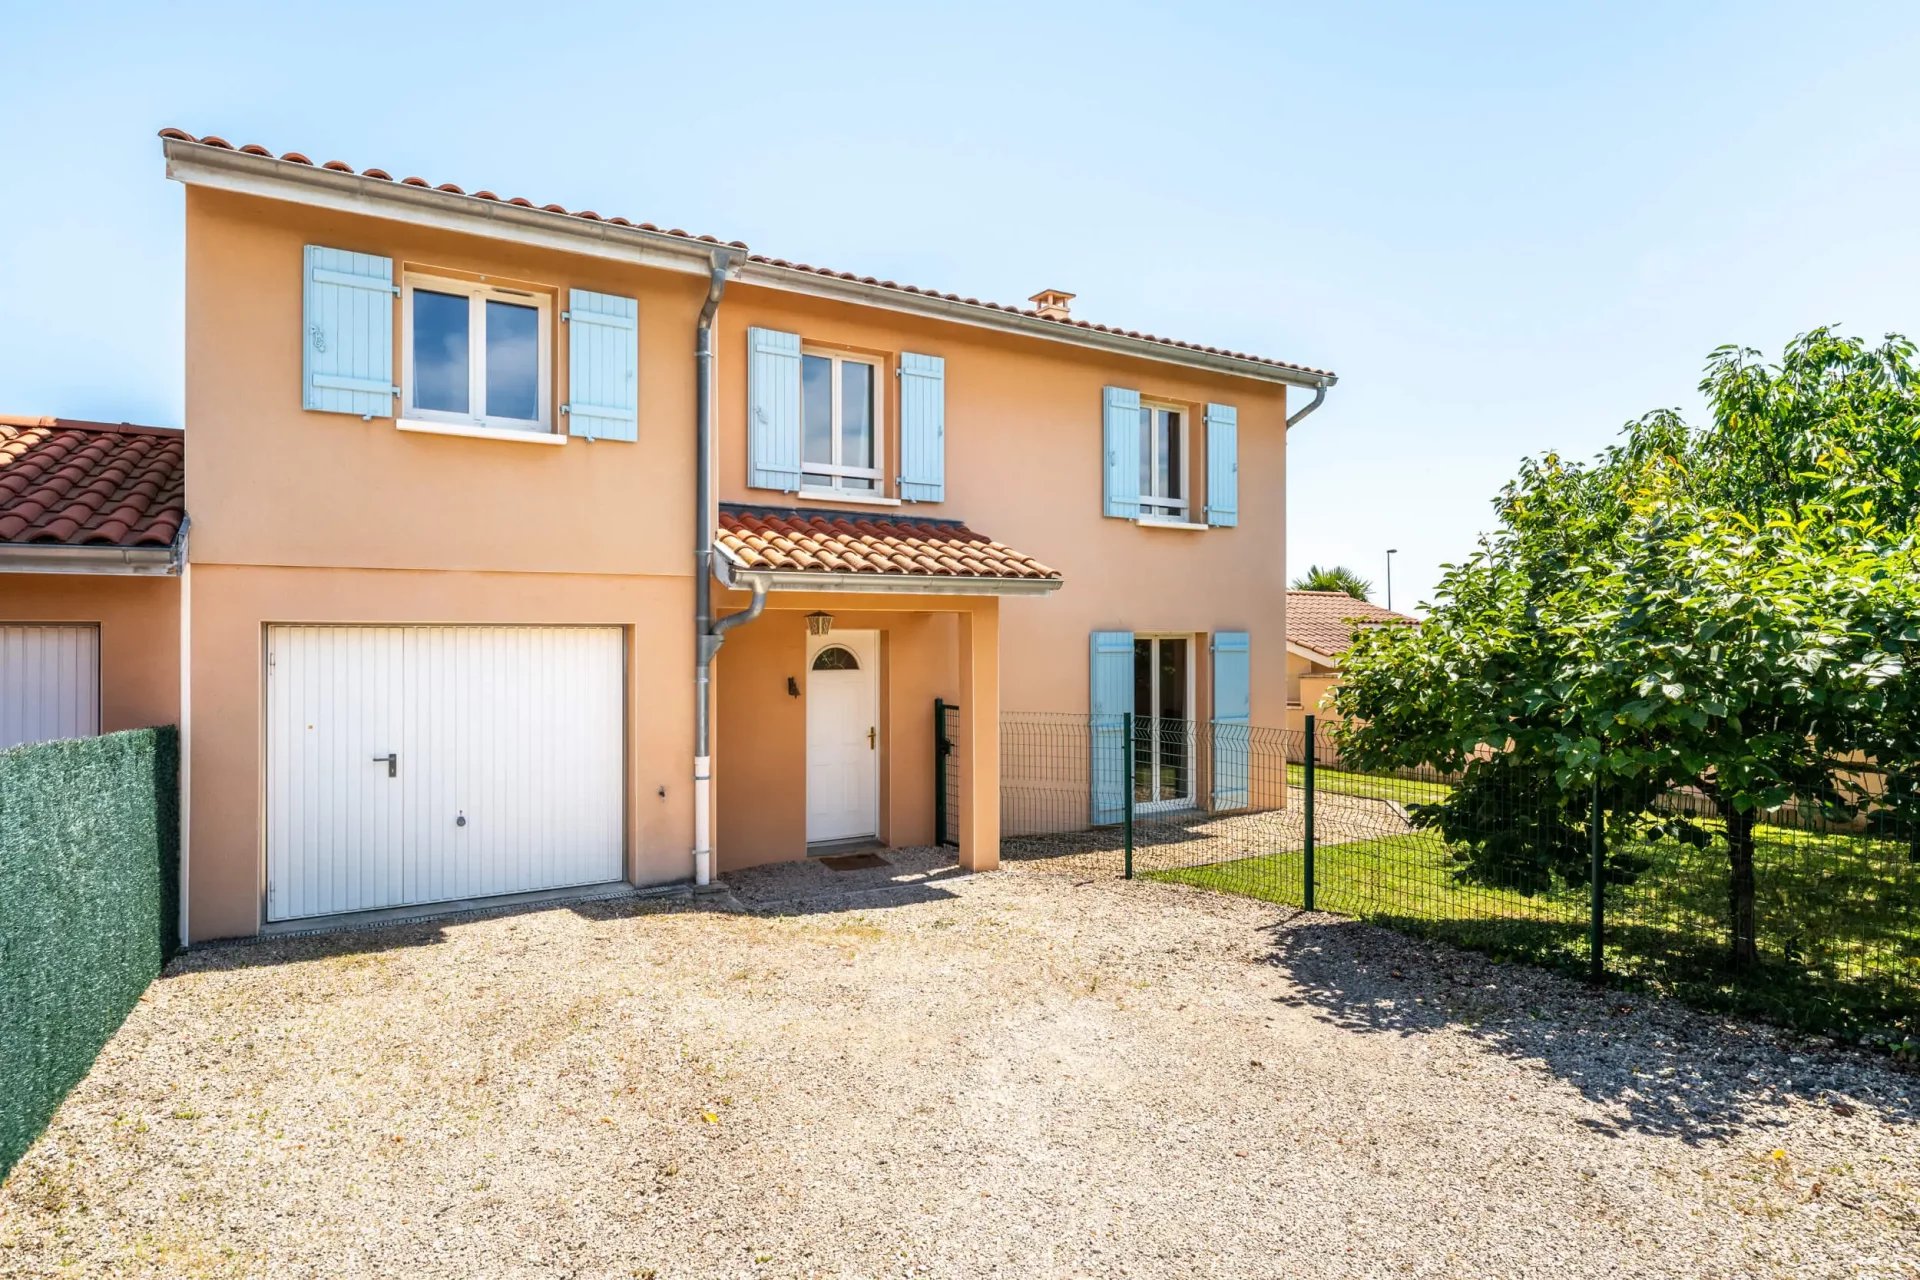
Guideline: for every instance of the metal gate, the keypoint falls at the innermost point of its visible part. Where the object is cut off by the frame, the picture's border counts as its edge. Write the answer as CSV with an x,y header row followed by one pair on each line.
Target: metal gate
x,y
946,772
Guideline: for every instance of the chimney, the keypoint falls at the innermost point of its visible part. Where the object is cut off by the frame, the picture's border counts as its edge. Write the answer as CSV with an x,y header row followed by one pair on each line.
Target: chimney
x,y
1052,303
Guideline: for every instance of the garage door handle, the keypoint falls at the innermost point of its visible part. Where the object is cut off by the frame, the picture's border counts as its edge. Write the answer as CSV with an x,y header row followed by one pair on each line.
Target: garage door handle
x,y
393,763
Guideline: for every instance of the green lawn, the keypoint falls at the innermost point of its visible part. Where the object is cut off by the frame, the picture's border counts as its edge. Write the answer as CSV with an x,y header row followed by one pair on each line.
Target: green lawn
x,y
1368,785
1839,919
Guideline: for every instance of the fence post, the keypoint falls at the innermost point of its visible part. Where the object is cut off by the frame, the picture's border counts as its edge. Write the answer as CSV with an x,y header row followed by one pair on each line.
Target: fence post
x,y
939,771
1596,879
1126,721
1307,815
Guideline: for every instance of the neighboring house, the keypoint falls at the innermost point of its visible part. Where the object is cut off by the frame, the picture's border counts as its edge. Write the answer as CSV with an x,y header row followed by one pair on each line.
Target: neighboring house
x,y
1320,629
457,465
92,539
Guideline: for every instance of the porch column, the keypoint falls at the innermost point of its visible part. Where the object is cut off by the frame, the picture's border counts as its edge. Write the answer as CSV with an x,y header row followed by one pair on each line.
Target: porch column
x,y
980,736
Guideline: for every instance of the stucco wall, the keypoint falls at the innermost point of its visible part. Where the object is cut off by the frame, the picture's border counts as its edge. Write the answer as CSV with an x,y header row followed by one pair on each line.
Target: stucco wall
x,y
760,770
139,620
270,483
1316,698
231,607
314,517
1024,455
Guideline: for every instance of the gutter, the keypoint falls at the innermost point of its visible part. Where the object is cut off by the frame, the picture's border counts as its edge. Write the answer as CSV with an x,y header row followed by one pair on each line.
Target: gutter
x,y
979,315
197,164
125,562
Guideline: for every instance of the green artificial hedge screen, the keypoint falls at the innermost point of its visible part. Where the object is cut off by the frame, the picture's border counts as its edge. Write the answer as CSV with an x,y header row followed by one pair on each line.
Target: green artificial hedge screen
x,y
89,873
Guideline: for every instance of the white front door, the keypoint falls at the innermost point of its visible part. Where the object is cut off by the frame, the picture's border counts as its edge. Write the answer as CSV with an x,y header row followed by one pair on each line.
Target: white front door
x,y
843,736
425,764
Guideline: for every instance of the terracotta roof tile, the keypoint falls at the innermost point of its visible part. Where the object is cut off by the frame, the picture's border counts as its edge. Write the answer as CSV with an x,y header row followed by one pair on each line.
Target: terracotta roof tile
x,y
1325,621
845,542
90,484
294,157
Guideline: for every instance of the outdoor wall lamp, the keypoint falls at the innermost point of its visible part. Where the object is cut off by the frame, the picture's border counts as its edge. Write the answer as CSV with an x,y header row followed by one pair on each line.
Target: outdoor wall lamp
x,y
819,624
793,687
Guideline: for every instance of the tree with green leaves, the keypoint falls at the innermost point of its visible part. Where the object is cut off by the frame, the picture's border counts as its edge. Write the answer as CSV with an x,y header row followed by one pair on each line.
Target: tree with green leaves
x,y
1730,610
1333,578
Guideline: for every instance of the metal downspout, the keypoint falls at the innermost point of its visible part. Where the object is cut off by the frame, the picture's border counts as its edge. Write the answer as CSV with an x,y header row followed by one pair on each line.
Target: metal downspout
x,y
1319,396
706,637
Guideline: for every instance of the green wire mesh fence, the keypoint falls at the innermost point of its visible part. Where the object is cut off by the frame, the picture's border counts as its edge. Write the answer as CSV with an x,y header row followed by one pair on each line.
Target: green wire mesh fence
x,y
1794,914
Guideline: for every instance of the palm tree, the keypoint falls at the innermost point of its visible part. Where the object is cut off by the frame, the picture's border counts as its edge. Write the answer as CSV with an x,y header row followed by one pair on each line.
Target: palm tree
x,y
1334,578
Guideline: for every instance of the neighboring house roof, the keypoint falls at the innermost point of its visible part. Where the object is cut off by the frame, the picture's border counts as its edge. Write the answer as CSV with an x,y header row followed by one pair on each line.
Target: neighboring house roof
x,y
67,484
1324,622
1310,376
853,550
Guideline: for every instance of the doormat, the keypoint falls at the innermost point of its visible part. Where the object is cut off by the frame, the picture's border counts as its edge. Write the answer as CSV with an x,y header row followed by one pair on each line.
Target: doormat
x,y
854,861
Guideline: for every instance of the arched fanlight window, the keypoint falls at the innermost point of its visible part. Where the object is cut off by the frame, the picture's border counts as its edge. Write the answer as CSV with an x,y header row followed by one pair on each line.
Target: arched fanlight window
x,y
835,658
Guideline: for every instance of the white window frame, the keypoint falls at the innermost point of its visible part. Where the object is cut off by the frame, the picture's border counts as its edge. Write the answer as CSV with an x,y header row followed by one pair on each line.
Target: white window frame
x,y
1150,717
823,479
1159,508
478,294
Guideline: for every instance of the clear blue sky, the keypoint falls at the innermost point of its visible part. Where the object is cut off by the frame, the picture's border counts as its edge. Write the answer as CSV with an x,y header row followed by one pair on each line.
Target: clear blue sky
x,y
1507,226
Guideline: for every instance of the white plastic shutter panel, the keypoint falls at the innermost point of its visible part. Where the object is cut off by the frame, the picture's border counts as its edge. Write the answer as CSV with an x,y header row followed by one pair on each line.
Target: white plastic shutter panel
x,y
773,410
1232,716
923,428
603,366
1120,427
347,334
1223,465
1110,698
508,769
49,683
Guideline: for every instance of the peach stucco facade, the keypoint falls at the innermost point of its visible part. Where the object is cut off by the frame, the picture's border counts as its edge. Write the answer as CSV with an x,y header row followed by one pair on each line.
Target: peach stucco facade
x,y
1023,464
139,623
305,517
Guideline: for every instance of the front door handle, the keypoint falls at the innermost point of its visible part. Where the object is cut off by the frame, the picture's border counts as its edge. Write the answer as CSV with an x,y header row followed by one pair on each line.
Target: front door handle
x,y
869,737
393,763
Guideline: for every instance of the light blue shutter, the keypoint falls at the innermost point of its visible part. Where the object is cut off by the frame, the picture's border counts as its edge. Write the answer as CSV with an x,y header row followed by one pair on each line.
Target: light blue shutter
x,y
773,410
1122,422
1232,716
603,366
923,428
1223,465
1111,664
346,341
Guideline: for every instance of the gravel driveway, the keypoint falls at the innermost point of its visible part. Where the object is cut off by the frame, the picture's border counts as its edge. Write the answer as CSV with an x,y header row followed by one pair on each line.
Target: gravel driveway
x,y
1006,1075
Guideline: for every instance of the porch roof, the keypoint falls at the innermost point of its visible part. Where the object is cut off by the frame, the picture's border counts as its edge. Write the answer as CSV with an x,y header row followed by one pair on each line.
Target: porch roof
x,y
826,550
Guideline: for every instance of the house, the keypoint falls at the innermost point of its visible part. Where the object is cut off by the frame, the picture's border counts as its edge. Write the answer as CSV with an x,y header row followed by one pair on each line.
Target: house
x,y
536,549
1321,626
93,537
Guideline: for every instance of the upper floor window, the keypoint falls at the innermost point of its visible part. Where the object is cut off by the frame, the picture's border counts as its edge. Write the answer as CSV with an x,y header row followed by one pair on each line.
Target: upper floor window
x,y
840,422
476,354
1163,462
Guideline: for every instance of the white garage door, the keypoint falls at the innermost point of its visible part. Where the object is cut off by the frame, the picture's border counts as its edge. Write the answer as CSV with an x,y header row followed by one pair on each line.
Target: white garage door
x,y
412,765
49,682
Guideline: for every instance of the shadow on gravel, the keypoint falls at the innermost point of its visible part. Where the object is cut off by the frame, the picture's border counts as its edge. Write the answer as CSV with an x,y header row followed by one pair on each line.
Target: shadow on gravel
x,y
253,953
1657,1068
812,886
400,935
882,898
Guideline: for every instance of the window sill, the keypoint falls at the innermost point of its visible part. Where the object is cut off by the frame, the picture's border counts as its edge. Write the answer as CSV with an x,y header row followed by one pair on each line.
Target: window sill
x,y
847,495
479,433
1148,522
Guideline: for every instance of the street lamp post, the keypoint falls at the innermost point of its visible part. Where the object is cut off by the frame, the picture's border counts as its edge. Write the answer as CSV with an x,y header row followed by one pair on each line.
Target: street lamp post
x,y
1391,552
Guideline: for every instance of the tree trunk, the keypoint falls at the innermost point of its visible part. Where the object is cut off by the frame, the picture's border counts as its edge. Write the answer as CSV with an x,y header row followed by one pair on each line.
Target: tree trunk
x,y
1743,929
